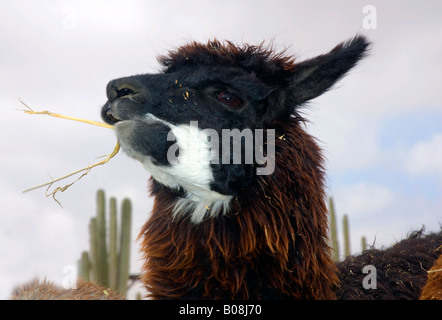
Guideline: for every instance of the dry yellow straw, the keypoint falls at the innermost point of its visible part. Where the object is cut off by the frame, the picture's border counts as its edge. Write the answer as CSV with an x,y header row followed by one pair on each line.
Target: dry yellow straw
x,y
86,169
436,270
95,123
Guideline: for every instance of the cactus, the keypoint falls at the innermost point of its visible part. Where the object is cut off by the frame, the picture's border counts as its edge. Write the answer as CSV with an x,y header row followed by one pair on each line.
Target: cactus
x,y
113,253
93,248
106,263
346,234
84,266
101,250
123,257
363,243
346,231
333,230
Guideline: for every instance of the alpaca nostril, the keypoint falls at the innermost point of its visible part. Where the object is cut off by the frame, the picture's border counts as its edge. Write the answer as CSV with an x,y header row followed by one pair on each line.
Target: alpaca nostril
x,y
107,115
111,117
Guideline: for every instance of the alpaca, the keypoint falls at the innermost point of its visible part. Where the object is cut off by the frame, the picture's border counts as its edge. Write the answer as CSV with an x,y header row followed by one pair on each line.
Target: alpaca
x,y
433,288
48,291
223,228
401,270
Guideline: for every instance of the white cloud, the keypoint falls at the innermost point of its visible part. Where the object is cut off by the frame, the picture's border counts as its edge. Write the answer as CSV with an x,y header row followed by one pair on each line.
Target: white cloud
x,y
425,157
363,199
37,242
363,204
384,216
349,140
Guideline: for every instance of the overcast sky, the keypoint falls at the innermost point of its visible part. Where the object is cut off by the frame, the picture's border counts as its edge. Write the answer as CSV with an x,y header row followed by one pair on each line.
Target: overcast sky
x,y
380,128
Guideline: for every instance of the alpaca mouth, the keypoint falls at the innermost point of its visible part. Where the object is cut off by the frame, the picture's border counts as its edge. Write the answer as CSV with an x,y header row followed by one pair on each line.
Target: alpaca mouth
x,y
111,117
108,115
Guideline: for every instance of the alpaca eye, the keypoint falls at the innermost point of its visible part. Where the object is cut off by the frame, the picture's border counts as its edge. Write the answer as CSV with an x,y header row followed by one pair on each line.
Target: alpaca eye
x,y
124,92
229,99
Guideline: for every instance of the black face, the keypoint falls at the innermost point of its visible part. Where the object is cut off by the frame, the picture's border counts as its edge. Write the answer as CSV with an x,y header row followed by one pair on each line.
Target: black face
x,y
220,86
215,98
218,99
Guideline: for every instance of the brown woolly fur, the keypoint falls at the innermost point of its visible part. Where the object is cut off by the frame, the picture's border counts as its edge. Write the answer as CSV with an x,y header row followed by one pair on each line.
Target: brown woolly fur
x,y
262,60
271,245
47,291
401,271
433,289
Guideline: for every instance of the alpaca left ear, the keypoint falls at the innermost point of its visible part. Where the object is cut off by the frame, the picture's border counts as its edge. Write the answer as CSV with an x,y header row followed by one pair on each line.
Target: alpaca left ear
x,y
313,77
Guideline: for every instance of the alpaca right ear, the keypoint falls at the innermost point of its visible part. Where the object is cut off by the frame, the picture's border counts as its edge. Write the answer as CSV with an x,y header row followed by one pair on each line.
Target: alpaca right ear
x,y
313,77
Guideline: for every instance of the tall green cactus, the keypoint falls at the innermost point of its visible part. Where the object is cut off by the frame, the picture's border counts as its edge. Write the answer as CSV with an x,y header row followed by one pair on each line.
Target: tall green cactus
x,y
84,266
113,250
101,250
346,229
108,260
363,243
333,230
123,256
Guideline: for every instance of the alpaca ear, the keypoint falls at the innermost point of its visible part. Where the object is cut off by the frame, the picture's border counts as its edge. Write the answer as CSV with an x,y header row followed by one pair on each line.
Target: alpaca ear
x,y
313,77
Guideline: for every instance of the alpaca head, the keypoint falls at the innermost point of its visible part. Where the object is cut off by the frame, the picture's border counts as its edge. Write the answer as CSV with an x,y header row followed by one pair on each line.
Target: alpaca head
x,y
203,126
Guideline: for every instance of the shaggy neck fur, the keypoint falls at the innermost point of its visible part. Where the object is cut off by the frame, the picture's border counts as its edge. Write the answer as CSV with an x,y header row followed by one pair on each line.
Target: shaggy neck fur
x,y
272,244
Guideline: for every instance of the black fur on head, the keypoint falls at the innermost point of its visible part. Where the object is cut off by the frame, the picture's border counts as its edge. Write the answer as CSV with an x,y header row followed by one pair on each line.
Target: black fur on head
x,y
215,86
